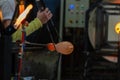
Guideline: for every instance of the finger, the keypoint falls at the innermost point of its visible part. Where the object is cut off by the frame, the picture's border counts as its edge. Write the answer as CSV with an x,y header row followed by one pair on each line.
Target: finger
x,y
49,12
50,16
46,10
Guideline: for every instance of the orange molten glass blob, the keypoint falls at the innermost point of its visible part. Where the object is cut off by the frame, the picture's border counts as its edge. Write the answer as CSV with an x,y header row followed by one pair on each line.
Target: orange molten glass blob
x,y
64,47
51,46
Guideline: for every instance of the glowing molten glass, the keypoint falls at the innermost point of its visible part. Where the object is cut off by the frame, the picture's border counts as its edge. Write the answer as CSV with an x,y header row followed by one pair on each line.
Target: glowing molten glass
x,y
64,47
23,15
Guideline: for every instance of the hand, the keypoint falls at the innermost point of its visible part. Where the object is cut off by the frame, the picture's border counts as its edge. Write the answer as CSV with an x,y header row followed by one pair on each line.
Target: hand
x,y
6,23
44,16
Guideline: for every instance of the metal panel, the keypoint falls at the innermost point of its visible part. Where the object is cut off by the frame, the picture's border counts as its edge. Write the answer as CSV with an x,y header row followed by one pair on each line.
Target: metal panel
x,y
75,13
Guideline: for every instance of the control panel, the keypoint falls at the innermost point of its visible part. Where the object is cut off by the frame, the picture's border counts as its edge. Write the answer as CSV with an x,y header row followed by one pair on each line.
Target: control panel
x,y
75,12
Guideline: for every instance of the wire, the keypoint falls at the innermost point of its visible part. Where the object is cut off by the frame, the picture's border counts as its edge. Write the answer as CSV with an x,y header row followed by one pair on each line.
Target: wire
x,y
51,37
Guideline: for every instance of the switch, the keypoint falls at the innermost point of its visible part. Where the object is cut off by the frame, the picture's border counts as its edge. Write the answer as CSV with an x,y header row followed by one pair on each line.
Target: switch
x,y
70,21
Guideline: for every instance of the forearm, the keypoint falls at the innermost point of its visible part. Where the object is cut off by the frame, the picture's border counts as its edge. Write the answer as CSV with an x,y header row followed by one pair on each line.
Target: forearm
x,y
33,26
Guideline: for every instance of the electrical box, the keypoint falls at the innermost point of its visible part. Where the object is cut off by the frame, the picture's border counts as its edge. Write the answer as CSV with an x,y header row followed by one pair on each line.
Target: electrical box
x,y
75,13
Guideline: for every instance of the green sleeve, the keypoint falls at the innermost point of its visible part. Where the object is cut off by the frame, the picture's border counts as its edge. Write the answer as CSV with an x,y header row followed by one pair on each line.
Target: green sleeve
x,y
32,26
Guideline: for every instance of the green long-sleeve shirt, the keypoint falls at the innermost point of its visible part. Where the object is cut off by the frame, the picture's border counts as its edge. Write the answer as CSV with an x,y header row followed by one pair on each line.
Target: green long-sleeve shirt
x,y
32,26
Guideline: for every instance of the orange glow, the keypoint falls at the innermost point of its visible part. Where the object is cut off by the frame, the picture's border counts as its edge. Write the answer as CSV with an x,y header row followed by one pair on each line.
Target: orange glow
x,y
21,8
51,46
116,1
117,28
63,47
23,15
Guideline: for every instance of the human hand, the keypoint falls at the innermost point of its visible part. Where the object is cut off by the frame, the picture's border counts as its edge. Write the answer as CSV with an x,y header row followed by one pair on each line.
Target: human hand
x,y
44,16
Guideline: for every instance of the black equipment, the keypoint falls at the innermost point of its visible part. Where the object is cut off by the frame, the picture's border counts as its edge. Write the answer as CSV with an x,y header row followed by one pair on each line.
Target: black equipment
x,y
5,54
9,30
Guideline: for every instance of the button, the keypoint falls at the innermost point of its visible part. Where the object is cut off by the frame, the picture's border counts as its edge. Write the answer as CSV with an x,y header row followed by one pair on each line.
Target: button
x,y
70,21
76,21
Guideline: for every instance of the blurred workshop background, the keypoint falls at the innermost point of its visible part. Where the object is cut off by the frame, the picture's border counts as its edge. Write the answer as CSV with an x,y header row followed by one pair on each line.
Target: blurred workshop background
x,y
92,26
